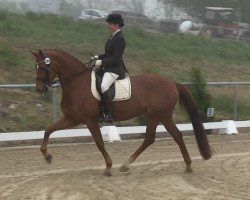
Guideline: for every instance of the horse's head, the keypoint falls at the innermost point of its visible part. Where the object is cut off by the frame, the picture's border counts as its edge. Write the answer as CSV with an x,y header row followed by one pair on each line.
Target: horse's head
x,y
46,70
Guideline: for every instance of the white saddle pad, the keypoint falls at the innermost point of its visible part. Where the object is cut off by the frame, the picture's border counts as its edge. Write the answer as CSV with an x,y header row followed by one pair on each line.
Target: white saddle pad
x,y
122,88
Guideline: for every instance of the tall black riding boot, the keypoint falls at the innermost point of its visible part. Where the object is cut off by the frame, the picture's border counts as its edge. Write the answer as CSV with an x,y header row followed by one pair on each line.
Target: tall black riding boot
x,y
108,104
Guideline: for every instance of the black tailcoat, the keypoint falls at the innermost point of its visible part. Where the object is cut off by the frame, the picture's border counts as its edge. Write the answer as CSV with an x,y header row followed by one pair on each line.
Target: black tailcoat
x,y
112,58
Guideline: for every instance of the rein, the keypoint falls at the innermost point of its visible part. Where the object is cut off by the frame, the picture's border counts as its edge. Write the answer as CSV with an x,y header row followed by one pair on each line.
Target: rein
x,y
88,65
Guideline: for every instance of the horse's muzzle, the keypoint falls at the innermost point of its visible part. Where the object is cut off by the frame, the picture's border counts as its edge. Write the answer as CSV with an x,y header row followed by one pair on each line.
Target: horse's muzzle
x,y
42,91
39,91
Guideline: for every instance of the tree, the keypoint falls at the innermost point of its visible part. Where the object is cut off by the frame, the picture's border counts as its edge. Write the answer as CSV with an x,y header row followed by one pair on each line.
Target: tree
x,y
244,9
137,6
90,3
200,93
24,6
9,6
169,7
73,9
196,7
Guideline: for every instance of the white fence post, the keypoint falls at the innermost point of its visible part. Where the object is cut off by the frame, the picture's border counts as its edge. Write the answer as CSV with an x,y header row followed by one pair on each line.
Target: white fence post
x,y
110,134
230,127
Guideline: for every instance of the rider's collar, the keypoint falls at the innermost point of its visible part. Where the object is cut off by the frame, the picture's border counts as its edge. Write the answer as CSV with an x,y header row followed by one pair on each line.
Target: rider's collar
x,y
113,34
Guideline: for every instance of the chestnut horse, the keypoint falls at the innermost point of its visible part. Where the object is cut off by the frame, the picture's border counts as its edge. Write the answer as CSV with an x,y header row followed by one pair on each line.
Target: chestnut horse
x,y
154,95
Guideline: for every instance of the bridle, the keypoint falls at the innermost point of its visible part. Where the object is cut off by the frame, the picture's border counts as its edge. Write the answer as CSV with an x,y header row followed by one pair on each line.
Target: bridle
x,y
56,83
47,70
45,80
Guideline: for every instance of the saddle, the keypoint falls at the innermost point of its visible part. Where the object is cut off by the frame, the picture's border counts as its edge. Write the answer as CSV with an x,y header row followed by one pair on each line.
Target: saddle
x,y
120,90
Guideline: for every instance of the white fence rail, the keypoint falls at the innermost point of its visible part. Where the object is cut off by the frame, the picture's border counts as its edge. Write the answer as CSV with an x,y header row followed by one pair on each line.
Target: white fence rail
x,y
112,133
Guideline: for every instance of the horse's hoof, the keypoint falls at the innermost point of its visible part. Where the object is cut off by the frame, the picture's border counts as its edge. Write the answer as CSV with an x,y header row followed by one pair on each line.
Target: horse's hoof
x,y
124,168
107,172
188,170
49,158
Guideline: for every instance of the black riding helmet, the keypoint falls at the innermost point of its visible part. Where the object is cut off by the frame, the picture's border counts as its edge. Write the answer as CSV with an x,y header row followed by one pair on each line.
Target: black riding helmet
x,y
115,19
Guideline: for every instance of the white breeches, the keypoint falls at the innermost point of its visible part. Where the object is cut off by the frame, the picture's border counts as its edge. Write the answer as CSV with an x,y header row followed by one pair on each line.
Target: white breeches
x,y
108,79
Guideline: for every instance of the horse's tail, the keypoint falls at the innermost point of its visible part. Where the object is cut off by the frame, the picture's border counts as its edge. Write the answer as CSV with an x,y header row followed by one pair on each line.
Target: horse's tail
x,y
186,100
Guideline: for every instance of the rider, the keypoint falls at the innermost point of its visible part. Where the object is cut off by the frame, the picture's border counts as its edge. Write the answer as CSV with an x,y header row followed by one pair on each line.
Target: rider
x,y
111,61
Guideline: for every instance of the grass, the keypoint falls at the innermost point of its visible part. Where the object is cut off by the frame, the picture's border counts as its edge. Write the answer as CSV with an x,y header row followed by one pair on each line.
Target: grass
x,y
8,57
224,108
49,28
55,29
171,55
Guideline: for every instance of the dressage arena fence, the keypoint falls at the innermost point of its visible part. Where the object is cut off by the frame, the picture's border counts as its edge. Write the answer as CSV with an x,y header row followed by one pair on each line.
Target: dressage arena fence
x,y
234,85
112,133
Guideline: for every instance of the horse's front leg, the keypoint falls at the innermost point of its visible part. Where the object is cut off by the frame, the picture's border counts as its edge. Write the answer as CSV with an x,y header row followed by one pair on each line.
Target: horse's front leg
x,y
60,125
94,128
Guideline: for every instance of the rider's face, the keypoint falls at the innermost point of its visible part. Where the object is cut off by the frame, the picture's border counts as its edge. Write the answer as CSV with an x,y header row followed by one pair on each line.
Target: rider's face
x,y
113,27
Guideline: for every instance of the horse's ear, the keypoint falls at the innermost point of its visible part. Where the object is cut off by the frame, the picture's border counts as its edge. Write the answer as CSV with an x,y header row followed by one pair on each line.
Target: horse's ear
x,y
34,53
41,53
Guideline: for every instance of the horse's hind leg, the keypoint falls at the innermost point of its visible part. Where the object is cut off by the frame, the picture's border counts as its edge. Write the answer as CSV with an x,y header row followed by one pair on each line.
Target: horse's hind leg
x,y
178,138
62,124
149,139
96,133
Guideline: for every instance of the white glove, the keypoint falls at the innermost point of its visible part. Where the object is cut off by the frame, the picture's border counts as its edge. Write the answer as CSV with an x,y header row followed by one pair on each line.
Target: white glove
x,y
94,57
98,63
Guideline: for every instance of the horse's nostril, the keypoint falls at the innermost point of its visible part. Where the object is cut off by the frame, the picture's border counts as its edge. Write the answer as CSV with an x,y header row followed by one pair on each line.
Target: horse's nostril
x,y
39,91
